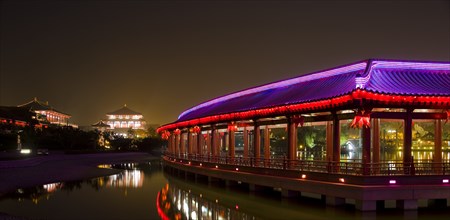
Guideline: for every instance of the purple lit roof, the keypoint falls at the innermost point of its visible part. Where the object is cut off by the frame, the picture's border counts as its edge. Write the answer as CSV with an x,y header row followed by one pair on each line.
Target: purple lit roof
x,y
381,76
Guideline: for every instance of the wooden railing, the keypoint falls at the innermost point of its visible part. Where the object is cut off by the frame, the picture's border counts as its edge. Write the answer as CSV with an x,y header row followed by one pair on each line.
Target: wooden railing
x,y
348,167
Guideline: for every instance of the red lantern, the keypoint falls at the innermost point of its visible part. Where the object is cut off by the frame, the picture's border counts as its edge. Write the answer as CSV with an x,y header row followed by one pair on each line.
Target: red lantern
x,y
177,131
232,127
165,135
196,129
362,119
298,119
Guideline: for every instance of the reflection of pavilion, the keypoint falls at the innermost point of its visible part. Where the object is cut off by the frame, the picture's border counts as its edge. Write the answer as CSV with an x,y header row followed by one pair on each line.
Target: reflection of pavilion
x,y
305,123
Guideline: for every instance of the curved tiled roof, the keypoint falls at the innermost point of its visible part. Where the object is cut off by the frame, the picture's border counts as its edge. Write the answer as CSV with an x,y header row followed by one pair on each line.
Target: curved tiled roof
x,y
379,76
37,105
124,111
101,124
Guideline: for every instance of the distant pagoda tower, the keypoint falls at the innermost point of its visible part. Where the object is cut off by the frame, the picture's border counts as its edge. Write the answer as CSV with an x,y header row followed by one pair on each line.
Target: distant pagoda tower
x,y
121,120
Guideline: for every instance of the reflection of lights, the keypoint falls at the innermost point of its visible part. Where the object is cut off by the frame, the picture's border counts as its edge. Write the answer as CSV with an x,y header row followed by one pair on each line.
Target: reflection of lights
x,y
445,181
392,181
194,215
51,187
105,166
128,178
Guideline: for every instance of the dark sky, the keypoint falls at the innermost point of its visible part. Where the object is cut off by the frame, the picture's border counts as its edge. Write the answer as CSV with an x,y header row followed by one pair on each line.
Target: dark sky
x,y
160,57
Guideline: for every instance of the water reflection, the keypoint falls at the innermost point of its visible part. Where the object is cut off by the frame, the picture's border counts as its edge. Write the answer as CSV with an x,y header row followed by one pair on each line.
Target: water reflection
x,y
175,203
155,195
130,177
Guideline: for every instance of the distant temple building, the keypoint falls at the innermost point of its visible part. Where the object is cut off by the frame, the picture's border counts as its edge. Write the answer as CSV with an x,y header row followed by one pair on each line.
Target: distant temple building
x,y
47,114
101,126
121,120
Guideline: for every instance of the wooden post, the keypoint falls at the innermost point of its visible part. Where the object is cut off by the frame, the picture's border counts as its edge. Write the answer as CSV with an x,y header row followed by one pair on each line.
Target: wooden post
x,y
266,146
169,145
292,141
365,149
189,139
199,144
231,145
213,140
336,143
407,144
208,143
182,150
329,135
256,143
376,144
245,137
336,139
437,158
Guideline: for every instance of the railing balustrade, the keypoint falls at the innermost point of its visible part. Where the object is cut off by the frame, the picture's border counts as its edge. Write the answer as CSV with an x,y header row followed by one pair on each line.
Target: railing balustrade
x,y
348,167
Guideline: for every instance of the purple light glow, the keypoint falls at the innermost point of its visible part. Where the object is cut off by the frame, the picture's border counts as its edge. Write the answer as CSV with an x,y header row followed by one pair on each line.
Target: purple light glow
x,y
445,181
392,181
284,83
411,65
361,81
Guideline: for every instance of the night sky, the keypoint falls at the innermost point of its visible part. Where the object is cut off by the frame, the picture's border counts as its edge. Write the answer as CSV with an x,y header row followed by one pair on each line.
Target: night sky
x,y
88,58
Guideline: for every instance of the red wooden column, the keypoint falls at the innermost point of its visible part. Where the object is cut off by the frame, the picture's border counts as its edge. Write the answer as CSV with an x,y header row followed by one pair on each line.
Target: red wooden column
x,y
199,144
407,144
245,136
175,142
292,141
256,143
266,146
336,143
213,140
173,146
208,144
437,157
231,145
329,136
376,140
376,145
182,149
169,145
189,139
365,149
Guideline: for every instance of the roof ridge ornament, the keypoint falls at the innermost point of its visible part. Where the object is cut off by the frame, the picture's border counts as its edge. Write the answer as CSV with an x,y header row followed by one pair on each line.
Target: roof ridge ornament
x,y
361,80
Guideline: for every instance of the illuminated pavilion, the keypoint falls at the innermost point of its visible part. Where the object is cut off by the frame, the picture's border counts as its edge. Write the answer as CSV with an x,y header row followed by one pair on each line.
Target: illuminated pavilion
x,y
124,119
374,122
47,114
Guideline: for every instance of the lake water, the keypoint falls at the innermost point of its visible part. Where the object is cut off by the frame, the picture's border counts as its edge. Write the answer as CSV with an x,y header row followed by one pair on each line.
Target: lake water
x,y
144,191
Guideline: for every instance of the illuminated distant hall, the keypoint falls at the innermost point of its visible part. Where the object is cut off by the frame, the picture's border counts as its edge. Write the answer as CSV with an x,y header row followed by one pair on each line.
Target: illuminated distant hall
x,y
47,114
124,120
